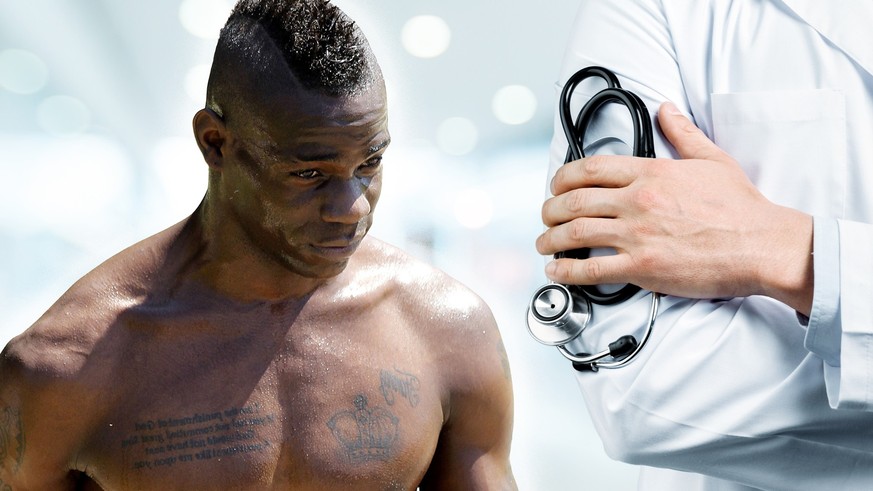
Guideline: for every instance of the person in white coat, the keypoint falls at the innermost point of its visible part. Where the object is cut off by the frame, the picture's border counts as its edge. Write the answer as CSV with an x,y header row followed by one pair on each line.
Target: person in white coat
x,y
757,227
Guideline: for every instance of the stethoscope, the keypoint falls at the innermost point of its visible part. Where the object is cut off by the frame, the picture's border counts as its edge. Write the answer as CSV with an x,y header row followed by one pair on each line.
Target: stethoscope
x,y
558,314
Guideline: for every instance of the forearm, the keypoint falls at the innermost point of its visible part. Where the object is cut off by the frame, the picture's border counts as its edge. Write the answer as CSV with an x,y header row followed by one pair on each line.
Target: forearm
x,y
785,260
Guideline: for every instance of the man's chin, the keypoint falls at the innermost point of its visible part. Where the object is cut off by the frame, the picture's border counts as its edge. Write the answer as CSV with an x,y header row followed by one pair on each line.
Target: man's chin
x,y
317,268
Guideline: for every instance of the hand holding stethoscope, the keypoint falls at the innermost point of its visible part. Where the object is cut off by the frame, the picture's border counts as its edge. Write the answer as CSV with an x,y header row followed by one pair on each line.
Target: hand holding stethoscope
x,y
558,314
735,243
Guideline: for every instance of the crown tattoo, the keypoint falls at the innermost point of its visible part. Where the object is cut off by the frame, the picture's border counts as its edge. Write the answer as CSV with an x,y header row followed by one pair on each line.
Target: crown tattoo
x,y
365,433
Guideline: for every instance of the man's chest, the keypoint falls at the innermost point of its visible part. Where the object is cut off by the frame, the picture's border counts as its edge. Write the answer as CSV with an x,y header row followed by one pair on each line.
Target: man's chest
x,y
298,414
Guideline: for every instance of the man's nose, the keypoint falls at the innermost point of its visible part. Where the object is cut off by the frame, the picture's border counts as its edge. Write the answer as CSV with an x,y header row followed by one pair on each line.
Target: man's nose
x,y
345,202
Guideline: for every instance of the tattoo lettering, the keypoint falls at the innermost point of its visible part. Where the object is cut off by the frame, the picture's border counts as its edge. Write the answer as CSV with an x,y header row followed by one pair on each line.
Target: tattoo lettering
x,y
364,433
201,436
399,382
11,438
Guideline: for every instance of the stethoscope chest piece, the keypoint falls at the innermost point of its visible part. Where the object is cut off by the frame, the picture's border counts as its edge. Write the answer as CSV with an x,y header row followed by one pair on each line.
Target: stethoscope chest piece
x,y
555,316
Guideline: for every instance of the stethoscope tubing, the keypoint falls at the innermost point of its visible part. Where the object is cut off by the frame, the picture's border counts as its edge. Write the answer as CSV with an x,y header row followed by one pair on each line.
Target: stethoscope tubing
x,y
574,131
562,329
594,360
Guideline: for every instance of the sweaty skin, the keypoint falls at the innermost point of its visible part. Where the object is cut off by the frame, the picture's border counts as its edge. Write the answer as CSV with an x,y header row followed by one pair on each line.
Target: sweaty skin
x,y
264,342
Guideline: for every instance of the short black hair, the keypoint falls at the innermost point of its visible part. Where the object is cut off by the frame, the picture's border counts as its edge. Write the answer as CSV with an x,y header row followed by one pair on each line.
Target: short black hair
x,y
321,45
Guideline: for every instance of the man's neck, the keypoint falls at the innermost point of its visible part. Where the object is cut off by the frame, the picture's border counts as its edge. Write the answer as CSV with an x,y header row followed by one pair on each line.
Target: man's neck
x,y
223,259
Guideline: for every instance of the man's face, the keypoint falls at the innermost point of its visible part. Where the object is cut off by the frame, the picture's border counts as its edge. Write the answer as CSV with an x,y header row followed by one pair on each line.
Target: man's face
x,y
302,175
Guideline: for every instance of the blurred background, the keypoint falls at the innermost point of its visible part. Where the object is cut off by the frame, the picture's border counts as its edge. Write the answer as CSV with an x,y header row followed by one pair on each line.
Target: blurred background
x,y
96,152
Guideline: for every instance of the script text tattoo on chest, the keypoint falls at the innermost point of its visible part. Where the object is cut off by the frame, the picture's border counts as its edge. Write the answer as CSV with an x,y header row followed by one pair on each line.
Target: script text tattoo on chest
x,y
161,443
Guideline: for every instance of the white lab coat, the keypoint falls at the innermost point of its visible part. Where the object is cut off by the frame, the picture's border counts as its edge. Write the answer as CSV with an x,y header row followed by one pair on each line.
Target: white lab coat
x,y
735,389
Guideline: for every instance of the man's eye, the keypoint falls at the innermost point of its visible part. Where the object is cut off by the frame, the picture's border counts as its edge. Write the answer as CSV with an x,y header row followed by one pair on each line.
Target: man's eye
x,y
306,174
372,164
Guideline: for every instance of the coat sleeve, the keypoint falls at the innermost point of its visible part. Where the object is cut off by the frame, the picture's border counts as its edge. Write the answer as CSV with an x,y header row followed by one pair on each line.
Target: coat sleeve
x,y
725,387
840,328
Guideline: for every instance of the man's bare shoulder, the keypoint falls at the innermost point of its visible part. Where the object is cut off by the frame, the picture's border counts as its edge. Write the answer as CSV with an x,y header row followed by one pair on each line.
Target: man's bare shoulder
x,y
453,319
59,343
414,284
46,376
465,353
51,388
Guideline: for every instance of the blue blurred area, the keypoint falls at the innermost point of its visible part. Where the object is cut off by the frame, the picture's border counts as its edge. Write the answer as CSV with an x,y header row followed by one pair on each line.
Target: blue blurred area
x,y
96,153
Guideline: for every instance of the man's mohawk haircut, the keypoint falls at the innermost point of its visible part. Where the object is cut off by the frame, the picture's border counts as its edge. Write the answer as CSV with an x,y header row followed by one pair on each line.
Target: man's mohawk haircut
x,y
322,46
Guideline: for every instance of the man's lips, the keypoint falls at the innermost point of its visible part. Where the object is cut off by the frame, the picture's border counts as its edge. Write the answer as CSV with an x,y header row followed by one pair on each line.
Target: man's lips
x,y
339,248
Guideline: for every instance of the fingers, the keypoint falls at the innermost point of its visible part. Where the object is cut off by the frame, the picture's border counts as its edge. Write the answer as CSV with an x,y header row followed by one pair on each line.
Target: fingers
x,y
579,233
592,271
610,171
585,202
689,141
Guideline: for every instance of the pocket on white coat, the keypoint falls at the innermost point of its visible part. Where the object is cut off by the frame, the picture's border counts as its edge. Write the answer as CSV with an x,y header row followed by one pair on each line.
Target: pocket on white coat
x,y
792,144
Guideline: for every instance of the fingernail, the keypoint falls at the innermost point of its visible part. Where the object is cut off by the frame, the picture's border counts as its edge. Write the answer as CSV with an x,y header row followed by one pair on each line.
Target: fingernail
x,y
550,268
671,109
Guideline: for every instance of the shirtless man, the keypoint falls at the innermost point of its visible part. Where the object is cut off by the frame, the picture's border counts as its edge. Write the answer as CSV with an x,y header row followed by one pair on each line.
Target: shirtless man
x,y
264,342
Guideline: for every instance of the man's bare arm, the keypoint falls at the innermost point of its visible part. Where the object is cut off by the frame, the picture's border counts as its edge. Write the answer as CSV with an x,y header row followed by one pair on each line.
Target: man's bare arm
x,y
473,449
35,437
12,441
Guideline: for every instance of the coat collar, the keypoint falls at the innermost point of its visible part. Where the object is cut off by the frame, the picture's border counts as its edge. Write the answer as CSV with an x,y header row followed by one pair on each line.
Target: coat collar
x,y
848,24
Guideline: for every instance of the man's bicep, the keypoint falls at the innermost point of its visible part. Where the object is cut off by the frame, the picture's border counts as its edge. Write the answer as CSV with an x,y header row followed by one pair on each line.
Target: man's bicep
x,y
13,439
12,443
473,448
30,457
473,453
475,471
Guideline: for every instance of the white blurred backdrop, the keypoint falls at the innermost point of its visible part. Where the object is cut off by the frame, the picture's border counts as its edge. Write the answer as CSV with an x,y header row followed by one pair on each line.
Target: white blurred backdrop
x,y
96,152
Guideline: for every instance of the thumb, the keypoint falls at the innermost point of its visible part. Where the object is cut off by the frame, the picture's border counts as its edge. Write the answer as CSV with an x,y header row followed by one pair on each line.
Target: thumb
x,y
686,138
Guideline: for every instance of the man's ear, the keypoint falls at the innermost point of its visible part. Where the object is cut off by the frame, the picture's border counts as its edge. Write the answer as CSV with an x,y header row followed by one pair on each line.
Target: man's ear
x,y
211,134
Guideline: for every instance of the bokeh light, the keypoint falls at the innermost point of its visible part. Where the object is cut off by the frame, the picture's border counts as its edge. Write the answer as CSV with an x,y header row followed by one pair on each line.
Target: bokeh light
x,y
514,104
473,208
22,72
426,36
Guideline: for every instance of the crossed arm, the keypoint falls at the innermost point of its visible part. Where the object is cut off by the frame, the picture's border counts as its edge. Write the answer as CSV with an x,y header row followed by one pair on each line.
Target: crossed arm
x,y
694,227
727,379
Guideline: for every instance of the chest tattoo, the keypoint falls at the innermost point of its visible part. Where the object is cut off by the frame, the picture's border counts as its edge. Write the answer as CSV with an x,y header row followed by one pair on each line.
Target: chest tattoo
x,y
365,433
177,440
399,383
11,439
